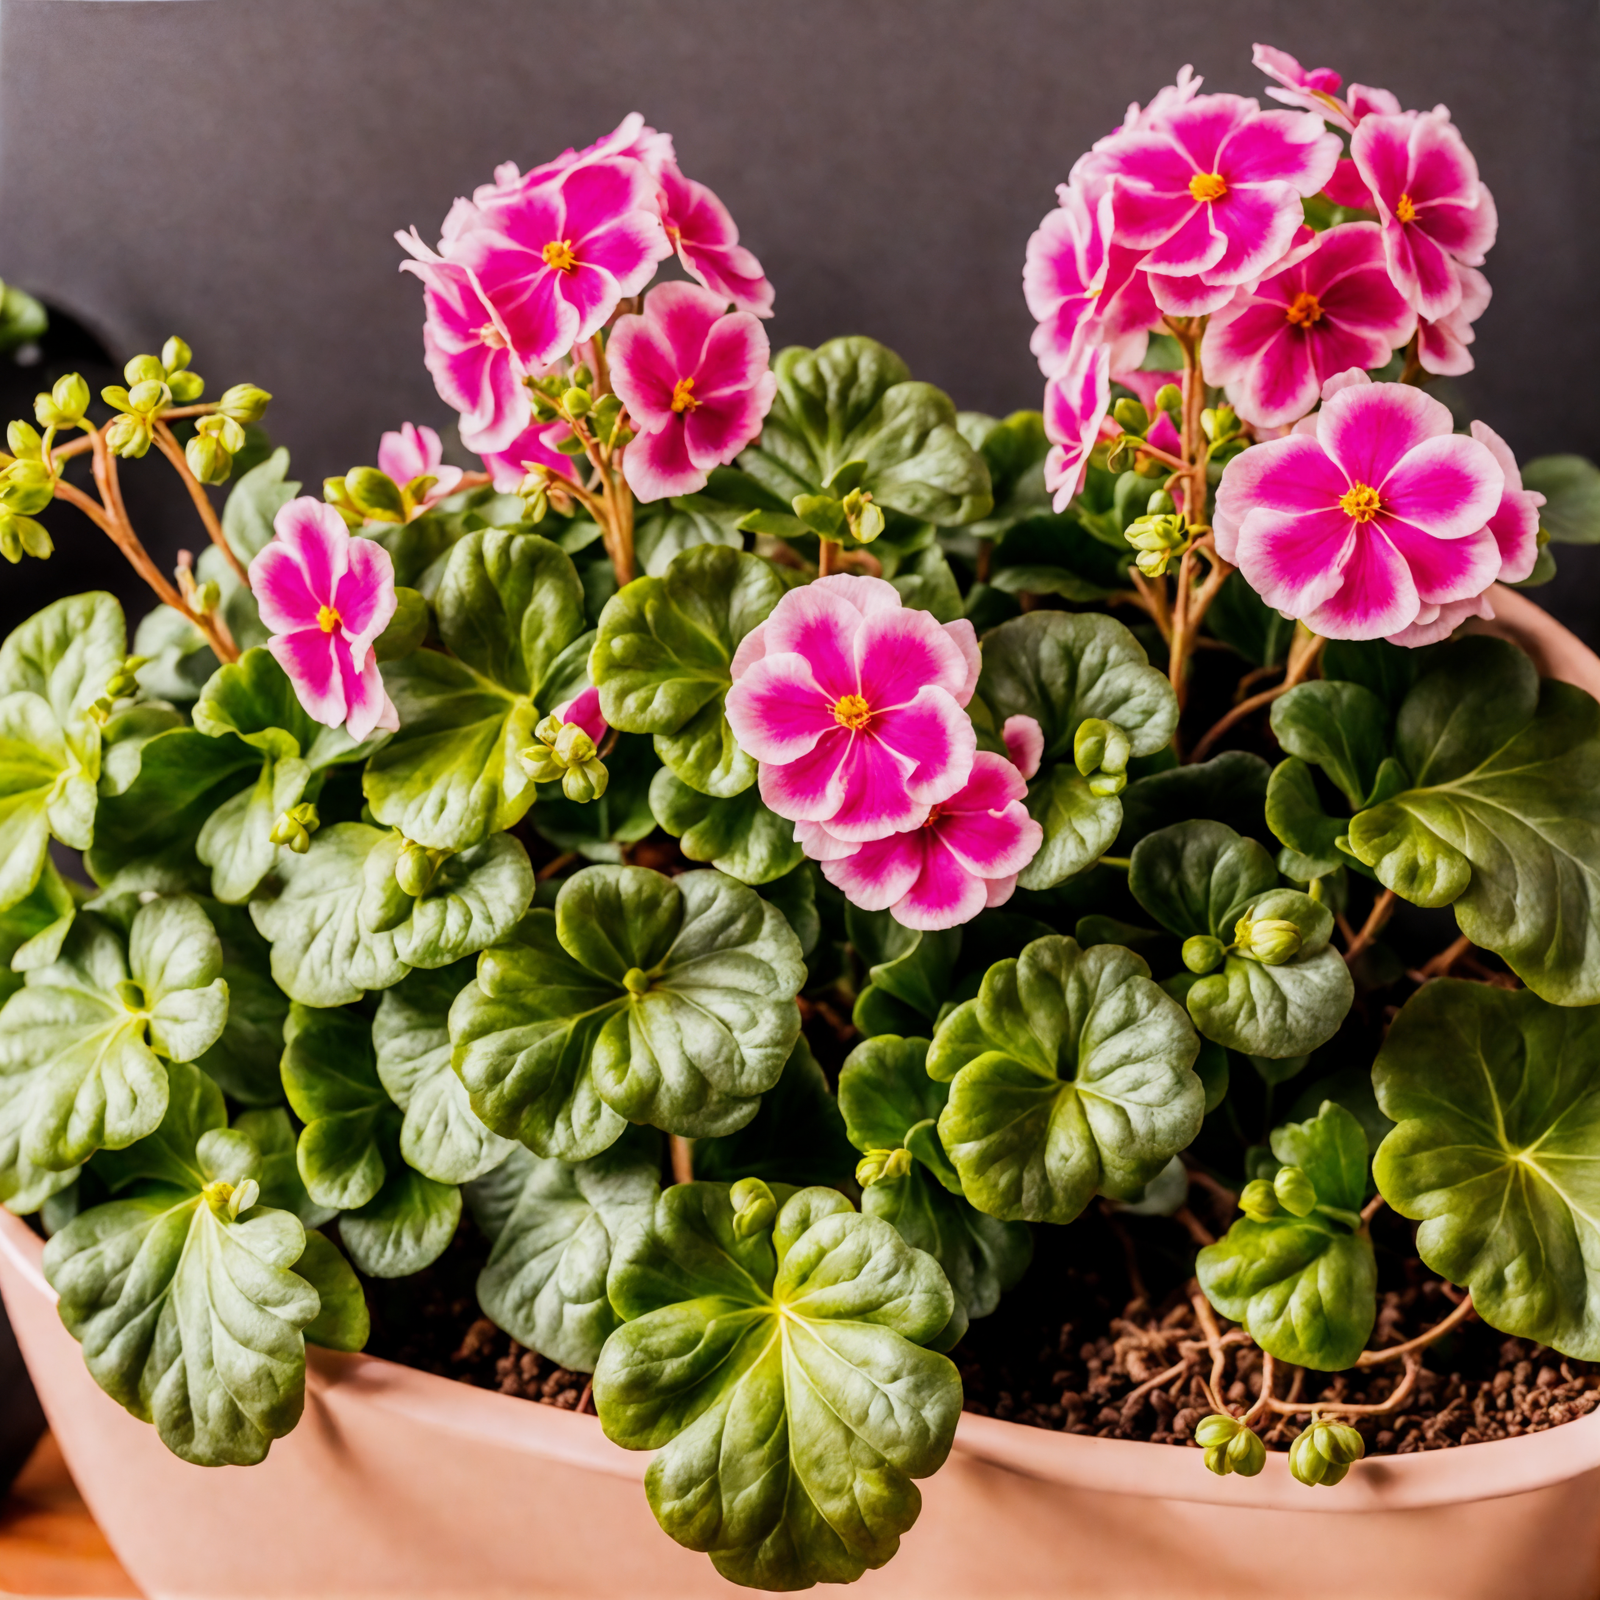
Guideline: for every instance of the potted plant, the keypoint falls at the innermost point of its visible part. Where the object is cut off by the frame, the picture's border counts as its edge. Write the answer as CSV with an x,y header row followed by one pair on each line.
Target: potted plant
x,y
804,894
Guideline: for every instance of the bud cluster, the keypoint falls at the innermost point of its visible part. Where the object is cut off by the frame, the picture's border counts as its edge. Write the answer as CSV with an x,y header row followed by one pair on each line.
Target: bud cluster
x,y
566,754
123,684
294,827
1324,1452
755,1207
1100,751
1230,1446
882,1166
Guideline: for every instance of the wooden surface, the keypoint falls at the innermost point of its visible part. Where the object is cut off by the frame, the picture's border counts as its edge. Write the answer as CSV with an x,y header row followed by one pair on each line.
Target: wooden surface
x,y
49,1544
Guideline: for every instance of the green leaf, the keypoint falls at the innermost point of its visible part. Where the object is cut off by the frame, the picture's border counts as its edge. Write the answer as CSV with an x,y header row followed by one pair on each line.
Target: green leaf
x,y
740,836
782,1382
1241,618
273,1135
662,656
1386,670
1202,878
322,954
1304,1287
1502,815
557,1050
124,737
1062,668
188,1318
405,1227
244,1060
509,605
852,401
46,786
670,527
342,1322
475,900
1496,1153
33,930
1295,815
1070,1072
82,1044
254,501
1230,788
795,895
1571,488
910,974
926,581
797,1137
545,1282
441,1135
1340,727
64,654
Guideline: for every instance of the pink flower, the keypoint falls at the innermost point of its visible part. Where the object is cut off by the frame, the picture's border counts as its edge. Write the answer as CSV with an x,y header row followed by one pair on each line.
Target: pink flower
x,y
324,597
415,452
467,350
708,245
1084,289
1213,190
1332,308
966,855
1442,345
554,259
1317,89
852,705
696,383
585,711
1374,513
1076,400
1024,742
1515,526
1433,209
534,446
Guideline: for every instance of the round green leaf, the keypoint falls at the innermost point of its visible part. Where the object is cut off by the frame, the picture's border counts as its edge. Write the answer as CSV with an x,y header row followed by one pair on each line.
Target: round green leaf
x,y
1340,727
342,1321
475,899
739,836
405,1227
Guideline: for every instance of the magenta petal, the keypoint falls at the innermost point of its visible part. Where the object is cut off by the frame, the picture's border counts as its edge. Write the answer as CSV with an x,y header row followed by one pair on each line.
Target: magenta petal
x,y
819,624
1292,475
876,798
820,845
966,641
992,786
1076,400
1259,224
310,657
934,740
1345,187
811,787
1436,623
278,582
998,890
644,368
658,465
368,707
1280,147
995,844
364,596
1195,244
1188,297
1367,428
1024,742
1450,486
945,895
1444,569
1377,597
1295,563
585,711
876,874
777,711
1422,271
735,354
897,653
719,428
1515,525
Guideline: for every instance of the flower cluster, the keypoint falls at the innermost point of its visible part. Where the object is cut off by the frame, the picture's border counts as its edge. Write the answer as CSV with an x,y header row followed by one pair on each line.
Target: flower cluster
x,y
1196,206
529,272
853,705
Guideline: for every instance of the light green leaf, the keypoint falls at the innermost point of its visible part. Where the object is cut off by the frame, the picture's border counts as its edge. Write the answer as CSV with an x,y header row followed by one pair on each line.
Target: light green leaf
x,y
1304,1287
670,527
1070,1072
1496,1153
126,733
474,900
738,836
781,1379
405,1227
45,787
244,1060
64,654
910,974
256,497
545,1282
273,1135
341,1322
33,930
1571,488
1295,815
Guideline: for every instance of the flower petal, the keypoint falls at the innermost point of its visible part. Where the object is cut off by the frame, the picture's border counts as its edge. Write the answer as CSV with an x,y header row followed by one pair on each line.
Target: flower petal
x,y
820,624
1024,742
1295,563
310,658
658,465
934,738
777,710
876,797
1377,597
1449,486
897,653
945,895
876,874
1367,428
811,787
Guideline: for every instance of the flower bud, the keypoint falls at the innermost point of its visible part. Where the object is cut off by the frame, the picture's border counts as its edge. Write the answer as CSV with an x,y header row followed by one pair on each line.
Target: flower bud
x,y
1323,1452
124,679
1158,531
295,826
144,369
581,377
1271,941
65,405
1169,397
149,396
1131,416
549,728
573,746
128,436
1160,504
24,441
536,506
1101,746
540,764
1295,1191
1259,1201
417,867
1217,1429
244,402
1221,423
543,409
246,1195
1105,784
228,433
585,782
207,596
1201,952
175,354
26,487
755,1207
375,494
207,459
881,1166
864,518
22,536
576,402
337,495
186,387
1230,1446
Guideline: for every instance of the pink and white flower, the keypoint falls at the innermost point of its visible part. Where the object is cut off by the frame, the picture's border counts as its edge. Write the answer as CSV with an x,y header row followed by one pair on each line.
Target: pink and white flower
x,y
1373,513
1317,89
534,446
1331,308
707,242
414,453
1442,345
325,597
1082,287
555,258
852,705
1212,190
696,381
467,350
1076,401
1433,209
1515,526
965,855
1024,742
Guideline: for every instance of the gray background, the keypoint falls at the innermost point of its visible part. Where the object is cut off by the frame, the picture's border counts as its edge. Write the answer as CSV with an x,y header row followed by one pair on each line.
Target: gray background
x,y
233,170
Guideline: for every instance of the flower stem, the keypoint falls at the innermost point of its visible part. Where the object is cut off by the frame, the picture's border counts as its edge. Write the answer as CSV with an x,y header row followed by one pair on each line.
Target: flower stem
x,y
167,444
828,554
1373,1358
682,1159
1301,661
1382,910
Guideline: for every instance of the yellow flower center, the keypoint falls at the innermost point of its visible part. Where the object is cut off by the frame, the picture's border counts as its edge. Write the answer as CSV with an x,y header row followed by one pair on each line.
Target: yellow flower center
x,y
490,335
1305,309
1406,210
1360,501
852,712
1204,186
328,619
558,254
683,395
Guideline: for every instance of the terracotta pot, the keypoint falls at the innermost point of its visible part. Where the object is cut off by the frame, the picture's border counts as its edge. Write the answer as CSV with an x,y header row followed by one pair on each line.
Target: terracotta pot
x,y
399,1483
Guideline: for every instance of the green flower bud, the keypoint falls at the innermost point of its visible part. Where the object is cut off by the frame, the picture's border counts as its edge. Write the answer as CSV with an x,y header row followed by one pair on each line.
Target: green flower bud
x,y
207,459
144,369
375,494
636,981
129,437
116,397
207,596
1153,563
149,396
881,1166
581,377
1099,745
620,435
606,411
549,728
536,506
573,746
755,1207
1295,1191
1105,784
1169,397
540,764
244,402
186,387
1201,952
585,781
1221,423
1247,1455
543,409
1158,531
65,405
22,536
1160,504
295,826
175,354
1131,416
124,679
24,441
26,487
417,867
1271,941
1259,1201
1323,1452
228,433
576,402
1217,1429
864,519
